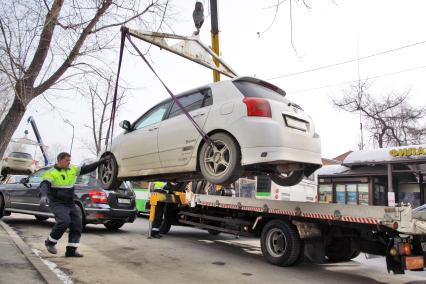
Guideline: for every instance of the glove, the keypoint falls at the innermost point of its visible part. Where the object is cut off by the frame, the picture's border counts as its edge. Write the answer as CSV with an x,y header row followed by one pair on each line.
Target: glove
x,y
44,201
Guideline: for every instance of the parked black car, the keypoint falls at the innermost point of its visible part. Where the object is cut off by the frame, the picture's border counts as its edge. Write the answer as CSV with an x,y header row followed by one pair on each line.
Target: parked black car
x,y
112,208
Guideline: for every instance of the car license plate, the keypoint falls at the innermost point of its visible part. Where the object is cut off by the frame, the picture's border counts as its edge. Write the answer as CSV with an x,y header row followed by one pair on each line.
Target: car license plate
x,y
123,200
295,123
424,246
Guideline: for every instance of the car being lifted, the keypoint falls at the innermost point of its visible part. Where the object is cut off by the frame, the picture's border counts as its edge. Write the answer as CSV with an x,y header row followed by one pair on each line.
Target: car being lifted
x,y
254,128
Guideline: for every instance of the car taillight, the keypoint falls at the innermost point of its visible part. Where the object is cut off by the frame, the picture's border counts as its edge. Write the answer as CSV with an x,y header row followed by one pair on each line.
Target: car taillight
x,y
98,196
258,107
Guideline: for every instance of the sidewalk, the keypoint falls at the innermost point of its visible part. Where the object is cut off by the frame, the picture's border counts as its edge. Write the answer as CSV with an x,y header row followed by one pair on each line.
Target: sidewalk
x,y
18,264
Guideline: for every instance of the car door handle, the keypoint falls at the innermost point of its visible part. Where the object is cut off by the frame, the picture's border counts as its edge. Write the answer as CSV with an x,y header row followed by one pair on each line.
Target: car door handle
x,y
152,129
199,115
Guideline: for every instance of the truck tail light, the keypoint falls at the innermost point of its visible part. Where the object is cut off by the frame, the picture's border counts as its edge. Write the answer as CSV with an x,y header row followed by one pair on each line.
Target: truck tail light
x,y
258,107
98,196
404,248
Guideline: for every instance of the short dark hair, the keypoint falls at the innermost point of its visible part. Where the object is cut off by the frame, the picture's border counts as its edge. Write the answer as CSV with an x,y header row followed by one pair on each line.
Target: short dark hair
x,y
62,156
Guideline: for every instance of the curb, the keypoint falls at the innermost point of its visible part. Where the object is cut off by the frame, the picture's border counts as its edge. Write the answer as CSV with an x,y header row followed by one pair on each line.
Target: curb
x,y
44,271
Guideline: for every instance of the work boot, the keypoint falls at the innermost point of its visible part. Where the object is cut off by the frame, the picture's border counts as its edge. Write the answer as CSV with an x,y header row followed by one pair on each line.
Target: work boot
x,y
72,252
50,246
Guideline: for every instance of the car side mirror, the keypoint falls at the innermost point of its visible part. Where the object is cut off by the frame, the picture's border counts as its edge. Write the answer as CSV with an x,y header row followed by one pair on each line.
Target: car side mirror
x,y
125,124
24,180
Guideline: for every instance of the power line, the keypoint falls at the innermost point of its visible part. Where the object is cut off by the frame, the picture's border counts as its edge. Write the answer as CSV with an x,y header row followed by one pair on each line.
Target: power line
x,y
348,61
353,81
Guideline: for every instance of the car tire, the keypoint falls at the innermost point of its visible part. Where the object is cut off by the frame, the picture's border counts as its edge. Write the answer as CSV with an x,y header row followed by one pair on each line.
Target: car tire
x,y
291,179
280,243
41,218
221,165
83,217
114,225
107,174
213,232
1,206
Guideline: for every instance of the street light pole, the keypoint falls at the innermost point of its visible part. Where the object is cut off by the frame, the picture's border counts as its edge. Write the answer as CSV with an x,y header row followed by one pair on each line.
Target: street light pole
x,y
72,139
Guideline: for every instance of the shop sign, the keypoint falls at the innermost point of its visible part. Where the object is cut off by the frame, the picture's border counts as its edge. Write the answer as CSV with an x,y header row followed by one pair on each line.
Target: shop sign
x,y
407,152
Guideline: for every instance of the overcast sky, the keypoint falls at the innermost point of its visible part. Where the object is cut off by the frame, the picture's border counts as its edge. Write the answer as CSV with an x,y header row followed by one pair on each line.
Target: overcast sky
x,y
330,32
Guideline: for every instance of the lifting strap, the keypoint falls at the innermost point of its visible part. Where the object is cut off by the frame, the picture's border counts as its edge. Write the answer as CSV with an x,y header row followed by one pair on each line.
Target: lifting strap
x,y
124,35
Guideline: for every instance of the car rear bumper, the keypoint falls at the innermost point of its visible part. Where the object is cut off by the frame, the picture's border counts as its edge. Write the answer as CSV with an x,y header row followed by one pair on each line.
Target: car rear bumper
x,y
259,155
102,215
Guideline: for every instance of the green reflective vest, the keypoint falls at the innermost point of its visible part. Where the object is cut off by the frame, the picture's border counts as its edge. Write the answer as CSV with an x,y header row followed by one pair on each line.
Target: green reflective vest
x,y
159,185
62,178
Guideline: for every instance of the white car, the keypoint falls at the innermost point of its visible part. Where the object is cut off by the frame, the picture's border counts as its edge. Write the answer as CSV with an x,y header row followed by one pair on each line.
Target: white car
x,y
255,130
18,163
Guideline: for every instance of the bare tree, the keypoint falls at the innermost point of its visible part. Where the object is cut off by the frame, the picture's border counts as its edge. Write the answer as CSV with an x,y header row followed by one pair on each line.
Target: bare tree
x,y
100,98
390,119
46,45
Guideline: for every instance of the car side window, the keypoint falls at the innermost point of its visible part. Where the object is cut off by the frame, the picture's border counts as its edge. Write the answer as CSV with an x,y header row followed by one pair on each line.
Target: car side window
x,y
155,115
37,176
192,102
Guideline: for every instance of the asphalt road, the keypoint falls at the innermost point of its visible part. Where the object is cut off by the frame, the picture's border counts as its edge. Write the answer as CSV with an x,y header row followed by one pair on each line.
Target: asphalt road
x,y
187,255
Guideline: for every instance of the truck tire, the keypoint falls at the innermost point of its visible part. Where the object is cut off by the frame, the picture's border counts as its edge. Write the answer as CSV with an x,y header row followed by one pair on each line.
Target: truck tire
x,y
108,174
291,179
280,243
221,165
340,250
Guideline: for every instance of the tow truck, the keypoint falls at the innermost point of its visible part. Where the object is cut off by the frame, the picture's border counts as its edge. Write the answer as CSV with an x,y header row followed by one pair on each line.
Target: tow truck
x,y
288,230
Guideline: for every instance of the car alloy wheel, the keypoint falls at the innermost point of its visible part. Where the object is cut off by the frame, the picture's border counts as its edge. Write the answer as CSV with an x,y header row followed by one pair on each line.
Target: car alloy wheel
x,y
221,163
107,174
217,158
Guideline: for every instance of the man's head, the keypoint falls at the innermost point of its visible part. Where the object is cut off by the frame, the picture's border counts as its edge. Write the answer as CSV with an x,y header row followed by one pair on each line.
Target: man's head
x,y
63,160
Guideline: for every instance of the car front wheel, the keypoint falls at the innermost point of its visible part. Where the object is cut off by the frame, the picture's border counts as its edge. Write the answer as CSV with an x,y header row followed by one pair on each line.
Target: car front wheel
x,y
220,163
107,174
290,179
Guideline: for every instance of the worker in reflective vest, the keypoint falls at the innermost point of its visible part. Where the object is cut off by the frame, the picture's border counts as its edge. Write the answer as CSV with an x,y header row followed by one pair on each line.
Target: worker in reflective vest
x,y
57,189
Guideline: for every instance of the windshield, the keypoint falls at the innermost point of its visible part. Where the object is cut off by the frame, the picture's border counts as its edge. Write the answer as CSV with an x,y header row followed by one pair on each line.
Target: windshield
x,y
21,155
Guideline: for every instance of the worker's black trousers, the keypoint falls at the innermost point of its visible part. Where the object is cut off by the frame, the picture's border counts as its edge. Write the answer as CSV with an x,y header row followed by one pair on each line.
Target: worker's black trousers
x,y
66,216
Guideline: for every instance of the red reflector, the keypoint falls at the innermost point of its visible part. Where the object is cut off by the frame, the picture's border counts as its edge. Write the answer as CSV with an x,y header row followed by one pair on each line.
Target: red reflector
x,y
100,216
414,262
98,196
258,107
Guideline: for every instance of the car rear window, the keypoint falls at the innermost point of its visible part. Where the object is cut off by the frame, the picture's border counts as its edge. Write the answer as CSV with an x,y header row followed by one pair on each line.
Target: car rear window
x,y
21,155
250,89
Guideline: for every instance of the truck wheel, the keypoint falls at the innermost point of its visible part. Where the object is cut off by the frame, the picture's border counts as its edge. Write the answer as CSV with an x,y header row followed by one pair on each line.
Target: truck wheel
x,y
340,250
290,179
107,174
113,225
280,243
220,164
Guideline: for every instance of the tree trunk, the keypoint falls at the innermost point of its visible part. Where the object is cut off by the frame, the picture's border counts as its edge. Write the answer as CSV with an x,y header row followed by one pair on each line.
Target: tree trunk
x,y
10,123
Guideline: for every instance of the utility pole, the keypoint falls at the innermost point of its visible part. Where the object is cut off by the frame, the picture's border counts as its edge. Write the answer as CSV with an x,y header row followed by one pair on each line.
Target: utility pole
x,y
215,35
